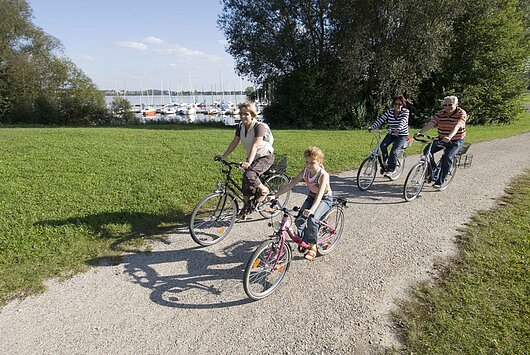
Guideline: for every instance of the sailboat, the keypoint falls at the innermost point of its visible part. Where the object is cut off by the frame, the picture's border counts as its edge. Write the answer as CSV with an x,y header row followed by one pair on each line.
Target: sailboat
x,y
150,110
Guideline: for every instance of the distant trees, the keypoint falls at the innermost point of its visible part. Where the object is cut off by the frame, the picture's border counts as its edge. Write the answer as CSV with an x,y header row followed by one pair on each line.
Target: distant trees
x,y
37,84
339,63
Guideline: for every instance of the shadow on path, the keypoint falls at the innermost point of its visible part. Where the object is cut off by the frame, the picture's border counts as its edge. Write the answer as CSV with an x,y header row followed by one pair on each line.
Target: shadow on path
x,y
207,282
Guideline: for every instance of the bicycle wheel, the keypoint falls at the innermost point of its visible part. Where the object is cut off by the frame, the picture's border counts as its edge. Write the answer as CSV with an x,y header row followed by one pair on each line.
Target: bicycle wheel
x,y
400,165
415,180
366,173
266,268
213,218
449,178
274,183
329,237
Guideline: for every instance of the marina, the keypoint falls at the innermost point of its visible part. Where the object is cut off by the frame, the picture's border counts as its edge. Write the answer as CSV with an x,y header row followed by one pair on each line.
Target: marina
x,y
188,109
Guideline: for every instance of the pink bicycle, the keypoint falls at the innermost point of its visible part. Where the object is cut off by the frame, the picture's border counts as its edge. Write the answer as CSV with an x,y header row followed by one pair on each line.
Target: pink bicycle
x,y
270,261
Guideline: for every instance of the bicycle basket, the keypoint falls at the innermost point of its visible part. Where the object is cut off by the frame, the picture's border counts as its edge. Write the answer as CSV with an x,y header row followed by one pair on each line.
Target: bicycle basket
x,y
279,165
464,160
464,149
408,142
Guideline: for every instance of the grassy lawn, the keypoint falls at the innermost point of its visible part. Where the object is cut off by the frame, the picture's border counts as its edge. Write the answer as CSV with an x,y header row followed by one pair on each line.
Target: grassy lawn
x,y
480,304
70,195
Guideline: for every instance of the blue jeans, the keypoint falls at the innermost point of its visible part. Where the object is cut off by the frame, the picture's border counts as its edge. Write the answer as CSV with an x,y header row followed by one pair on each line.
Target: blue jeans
x,y
451,149
308,227
398,143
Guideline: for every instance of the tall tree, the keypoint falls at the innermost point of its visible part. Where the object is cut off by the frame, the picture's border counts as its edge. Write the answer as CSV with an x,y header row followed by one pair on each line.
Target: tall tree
x,y
487,62
388,47
36,81
336,63
284,44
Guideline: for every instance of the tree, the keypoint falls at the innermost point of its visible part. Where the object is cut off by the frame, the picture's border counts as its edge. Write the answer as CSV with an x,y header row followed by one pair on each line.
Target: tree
x,y
121,109
336,63
37,84
388,48
282,44
486,65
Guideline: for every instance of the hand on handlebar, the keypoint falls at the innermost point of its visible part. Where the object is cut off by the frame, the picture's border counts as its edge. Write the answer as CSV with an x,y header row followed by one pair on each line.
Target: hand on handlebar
x,y
245,165
217,157
370,130
446,139
418,134
307,213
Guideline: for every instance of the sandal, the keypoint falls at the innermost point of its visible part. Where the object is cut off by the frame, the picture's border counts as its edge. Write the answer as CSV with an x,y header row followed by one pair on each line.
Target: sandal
x,y
311,254
262,195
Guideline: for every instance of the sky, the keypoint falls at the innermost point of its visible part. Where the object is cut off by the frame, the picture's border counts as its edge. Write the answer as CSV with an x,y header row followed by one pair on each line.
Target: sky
x,y
142,44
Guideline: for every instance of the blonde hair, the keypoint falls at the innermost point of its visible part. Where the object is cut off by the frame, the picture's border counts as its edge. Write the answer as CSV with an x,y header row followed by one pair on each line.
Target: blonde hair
x,y
315,153
249,106
453,99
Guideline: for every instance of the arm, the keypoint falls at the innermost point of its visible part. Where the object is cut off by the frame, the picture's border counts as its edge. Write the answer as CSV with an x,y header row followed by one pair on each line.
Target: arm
x,y
231,147
379,121
324,182
290,185
404,122
425,128
454,131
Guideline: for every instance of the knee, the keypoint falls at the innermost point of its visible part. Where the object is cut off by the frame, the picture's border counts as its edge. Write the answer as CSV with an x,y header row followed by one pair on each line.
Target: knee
x,y
312,222
250,176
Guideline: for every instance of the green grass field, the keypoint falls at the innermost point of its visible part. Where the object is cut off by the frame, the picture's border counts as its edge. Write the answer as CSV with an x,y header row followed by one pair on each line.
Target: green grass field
x,y
480,305
72,194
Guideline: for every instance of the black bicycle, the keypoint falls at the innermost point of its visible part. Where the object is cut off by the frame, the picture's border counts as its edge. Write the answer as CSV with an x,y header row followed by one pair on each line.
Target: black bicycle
x,y
427,169
215,215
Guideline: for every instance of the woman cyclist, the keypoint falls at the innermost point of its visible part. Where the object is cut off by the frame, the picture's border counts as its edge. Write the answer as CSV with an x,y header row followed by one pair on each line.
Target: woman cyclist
x,y
398,131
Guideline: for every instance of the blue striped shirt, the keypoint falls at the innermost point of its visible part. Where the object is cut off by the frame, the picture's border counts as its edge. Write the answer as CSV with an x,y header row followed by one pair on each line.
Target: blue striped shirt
x,y
399,123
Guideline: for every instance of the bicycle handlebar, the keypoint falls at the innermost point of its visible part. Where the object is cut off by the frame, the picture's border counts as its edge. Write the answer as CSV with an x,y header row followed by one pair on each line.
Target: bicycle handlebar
x,y
423,140
276,204
227,163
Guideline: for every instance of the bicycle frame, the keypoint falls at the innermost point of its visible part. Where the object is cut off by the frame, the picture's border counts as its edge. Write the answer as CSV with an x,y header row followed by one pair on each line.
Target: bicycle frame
x,y
429,157
230,184
285,229
376,152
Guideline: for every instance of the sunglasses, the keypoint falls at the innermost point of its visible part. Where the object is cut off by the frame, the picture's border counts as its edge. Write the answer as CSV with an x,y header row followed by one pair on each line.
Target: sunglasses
x,y
448,105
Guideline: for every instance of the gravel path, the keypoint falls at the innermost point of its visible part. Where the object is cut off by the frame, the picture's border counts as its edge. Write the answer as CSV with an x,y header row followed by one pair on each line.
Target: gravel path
x,y
182,299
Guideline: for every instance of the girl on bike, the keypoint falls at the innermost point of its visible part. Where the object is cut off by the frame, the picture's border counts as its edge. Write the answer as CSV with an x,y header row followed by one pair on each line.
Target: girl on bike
x,y
319,198
260,153
451,123
398,127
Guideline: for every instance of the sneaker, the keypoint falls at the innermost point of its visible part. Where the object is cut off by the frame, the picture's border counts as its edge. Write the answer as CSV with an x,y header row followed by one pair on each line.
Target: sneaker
x,y
389,173
242,215
437,186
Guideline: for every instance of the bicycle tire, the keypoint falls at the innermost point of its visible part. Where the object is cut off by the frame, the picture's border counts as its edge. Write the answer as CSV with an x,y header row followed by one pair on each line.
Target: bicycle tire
x,y
449,178
366,173
260,280
335,218
274,183
213,218
415,181
400,165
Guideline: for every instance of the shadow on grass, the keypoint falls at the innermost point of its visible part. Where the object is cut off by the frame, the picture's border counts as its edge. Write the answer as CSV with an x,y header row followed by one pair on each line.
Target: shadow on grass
x,y
192,278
